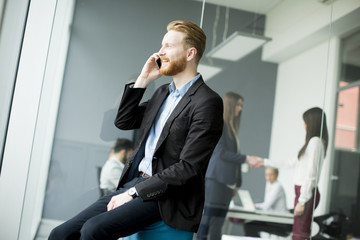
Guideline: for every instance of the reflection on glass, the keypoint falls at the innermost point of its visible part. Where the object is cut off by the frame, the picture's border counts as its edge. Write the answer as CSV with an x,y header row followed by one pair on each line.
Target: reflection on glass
x,y
347,118
2,10
347,122
345,192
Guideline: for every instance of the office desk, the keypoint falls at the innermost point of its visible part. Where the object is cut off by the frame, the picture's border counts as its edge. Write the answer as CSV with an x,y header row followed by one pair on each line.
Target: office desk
x,y
259,215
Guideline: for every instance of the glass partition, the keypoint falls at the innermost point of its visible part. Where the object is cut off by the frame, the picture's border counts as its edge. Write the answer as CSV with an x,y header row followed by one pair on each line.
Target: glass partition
x,y
345,175
292,69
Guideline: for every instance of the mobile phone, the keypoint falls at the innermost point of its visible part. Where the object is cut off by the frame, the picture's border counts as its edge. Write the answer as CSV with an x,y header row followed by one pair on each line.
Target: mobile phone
x,y
158,63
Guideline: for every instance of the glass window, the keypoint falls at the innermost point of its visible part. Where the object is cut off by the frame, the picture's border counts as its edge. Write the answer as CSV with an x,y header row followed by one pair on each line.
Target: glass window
x,y
347,122
347,117
346,171
278,81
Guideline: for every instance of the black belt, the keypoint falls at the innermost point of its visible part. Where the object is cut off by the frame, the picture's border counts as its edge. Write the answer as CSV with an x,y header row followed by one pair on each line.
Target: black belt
x,y
144,175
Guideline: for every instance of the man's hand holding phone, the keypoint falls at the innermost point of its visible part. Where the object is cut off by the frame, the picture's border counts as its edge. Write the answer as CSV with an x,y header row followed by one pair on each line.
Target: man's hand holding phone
x,y
150,71
158,62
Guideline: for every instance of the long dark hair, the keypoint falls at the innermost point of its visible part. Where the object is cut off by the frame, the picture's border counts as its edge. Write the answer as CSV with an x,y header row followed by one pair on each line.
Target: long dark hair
x,y
230,100
313,119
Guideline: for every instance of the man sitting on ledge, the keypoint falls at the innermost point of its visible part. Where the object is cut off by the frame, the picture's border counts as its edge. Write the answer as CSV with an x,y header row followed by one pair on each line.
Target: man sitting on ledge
x,y
178,130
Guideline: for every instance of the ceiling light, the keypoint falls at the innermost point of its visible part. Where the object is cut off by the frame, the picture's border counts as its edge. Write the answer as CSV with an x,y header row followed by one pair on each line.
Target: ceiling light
x,y
237,46
208,71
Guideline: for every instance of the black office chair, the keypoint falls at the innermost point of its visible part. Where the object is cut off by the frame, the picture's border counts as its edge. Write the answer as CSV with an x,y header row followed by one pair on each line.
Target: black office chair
x,y
102,191
332,226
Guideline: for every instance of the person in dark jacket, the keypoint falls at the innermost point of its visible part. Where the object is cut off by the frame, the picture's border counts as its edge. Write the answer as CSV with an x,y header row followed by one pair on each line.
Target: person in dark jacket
x,y
223,175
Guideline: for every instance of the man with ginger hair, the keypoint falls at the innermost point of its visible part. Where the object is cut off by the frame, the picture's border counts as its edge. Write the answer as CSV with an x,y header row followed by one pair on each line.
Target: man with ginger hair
x,y
179,128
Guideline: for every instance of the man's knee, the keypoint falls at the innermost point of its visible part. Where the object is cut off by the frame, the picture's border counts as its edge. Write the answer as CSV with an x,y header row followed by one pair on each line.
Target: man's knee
x,y
57,233
53,234
63,231
90,230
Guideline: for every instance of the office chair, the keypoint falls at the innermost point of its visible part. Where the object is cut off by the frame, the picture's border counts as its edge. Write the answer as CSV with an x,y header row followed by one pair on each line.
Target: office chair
x,y
332,226
98,171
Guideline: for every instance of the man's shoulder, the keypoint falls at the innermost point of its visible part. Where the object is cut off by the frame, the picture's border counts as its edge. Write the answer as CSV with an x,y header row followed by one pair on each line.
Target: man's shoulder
x,y
211,92
208,94
200,87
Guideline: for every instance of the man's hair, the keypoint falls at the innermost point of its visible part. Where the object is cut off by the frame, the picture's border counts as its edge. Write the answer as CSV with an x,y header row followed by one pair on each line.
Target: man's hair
x,y
122,143
194,36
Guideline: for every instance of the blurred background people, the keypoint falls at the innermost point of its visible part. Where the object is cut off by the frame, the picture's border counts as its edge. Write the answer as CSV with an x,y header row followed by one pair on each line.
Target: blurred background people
x,y
307,163
274,200
113,167
223,175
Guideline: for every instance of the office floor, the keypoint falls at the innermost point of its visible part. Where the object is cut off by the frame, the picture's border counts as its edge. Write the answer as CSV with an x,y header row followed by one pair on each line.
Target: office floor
x,y
235,231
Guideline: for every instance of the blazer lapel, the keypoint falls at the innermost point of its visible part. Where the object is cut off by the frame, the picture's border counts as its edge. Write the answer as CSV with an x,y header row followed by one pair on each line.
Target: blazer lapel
x,y
178,109
155,106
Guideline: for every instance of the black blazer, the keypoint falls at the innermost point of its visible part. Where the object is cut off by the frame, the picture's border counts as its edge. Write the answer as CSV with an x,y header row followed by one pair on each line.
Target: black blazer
x,y
225,162
182,153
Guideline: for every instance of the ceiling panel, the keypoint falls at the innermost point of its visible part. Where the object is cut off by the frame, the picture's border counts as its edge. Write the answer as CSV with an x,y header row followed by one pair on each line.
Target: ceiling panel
x,y
257,6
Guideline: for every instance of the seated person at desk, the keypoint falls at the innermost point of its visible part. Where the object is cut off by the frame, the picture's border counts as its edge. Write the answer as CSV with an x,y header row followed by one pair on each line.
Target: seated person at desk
x,y
112,170
275,201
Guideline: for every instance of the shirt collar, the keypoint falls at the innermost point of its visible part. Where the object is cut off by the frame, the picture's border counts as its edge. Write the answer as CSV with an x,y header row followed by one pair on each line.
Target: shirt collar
x,y
113,158
184,88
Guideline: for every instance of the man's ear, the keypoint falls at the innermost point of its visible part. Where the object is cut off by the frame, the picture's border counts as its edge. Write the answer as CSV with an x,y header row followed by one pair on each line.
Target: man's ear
x,y
122,152
191,53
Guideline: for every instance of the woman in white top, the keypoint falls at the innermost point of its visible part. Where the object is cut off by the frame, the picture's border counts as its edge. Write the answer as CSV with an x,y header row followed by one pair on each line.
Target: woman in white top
x,y
307,165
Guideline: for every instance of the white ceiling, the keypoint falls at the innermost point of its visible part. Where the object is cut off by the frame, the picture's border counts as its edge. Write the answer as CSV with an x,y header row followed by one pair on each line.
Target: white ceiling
x,y
256,6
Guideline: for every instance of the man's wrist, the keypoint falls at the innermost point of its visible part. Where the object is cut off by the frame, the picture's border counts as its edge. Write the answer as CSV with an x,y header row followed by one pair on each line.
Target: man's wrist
x,y
132,192
141,83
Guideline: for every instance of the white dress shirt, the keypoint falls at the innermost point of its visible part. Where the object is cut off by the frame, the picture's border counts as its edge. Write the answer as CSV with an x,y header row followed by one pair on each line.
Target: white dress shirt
x,y
111,173
307,168
275,198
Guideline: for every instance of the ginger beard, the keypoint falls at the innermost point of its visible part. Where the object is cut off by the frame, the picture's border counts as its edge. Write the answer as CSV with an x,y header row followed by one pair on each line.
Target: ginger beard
x,y
174,66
